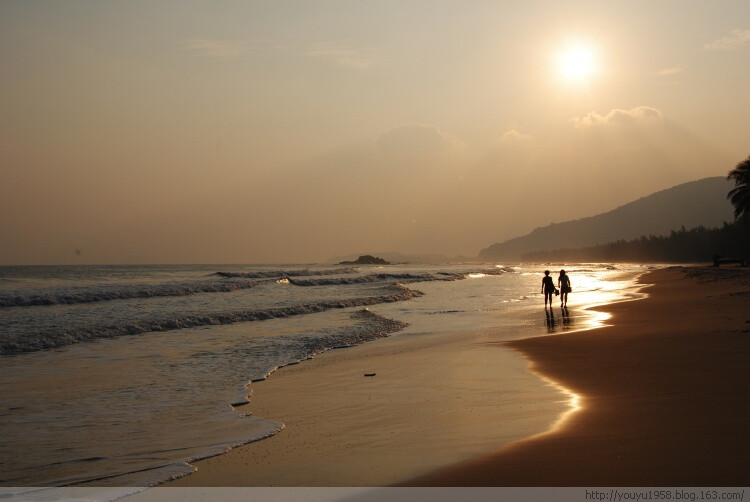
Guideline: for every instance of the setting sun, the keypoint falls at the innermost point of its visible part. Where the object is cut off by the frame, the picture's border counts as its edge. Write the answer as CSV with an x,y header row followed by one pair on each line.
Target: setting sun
x,y
576,63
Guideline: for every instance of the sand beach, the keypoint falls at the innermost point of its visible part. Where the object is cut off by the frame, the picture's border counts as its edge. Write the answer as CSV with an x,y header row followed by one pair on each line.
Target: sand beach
x,y
663,394
426,402
658,397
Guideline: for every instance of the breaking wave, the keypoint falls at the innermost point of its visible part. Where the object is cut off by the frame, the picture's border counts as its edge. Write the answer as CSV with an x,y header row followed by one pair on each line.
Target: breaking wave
x,y
370,326
40,341
270,274
363,279
403,278
94,294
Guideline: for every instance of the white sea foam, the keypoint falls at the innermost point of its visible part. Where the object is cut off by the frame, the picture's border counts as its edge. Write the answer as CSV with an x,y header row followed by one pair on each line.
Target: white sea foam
x,y
259,274
141,410
32,341
91,294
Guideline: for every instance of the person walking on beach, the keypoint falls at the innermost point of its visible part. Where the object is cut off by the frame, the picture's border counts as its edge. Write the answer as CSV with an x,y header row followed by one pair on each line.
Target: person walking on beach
x,y
564,282
548,289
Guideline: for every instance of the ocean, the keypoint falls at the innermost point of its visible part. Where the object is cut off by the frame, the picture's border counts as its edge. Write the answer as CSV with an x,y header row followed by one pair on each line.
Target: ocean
x,y
122,375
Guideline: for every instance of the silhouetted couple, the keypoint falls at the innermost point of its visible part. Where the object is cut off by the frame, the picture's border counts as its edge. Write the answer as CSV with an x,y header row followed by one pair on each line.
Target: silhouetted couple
x,y
549,289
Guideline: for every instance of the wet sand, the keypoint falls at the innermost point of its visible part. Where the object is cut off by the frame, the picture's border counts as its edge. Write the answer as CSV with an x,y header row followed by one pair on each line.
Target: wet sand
x,y
662,397
433,401
664,394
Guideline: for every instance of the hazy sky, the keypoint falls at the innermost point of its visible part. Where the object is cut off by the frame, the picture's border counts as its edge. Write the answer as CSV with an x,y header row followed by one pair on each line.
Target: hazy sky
x,y
295,131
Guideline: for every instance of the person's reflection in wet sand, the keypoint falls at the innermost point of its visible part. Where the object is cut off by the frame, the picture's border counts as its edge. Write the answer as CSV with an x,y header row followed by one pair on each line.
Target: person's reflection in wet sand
x,y
550,321
567,320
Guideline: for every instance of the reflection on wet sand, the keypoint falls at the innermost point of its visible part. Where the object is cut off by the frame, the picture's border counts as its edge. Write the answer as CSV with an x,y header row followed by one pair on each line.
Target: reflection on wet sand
x,y
550,320
553,323
567,320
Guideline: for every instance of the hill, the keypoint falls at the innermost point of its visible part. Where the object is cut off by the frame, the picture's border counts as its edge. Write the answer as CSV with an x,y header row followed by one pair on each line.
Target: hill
x,y
731,242
694,204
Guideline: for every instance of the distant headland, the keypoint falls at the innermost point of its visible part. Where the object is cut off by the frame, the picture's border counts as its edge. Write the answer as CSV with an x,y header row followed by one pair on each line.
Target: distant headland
x,y
366,260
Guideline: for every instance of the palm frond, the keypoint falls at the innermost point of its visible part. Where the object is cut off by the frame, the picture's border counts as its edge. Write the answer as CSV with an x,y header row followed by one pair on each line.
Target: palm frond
x,y
740,194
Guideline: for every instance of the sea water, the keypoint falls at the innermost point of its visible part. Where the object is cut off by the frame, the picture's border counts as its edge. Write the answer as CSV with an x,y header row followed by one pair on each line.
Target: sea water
x,y
123,374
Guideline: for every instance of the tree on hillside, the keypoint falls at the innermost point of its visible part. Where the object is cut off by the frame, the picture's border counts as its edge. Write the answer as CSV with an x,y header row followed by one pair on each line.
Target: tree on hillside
x,y
740,194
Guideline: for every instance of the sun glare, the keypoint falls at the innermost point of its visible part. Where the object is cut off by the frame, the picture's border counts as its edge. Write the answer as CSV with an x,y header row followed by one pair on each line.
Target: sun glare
x,y
576,63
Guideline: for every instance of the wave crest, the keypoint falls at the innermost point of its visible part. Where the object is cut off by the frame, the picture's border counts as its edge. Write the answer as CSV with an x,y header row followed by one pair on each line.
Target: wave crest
x,y
100,294
364,279
275,274
42,341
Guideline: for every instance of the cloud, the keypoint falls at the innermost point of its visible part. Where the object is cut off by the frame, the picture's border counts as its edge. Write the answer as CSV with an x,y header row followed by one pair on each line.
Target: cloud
x,y
417,140
357,58
640,114
670,71
214,48
513,137
627,149
734,40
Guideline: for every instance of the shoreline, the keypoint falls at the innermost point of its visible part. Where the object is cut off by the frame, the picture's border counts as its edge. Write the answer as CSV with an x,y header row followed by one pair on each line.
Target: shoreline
x,y
663,394
342,428
398,424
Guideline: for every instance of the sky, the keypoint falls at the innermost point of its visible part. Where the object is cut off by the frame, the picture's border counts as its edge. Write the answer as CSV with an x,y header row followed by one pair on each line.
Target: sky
x,y
300,131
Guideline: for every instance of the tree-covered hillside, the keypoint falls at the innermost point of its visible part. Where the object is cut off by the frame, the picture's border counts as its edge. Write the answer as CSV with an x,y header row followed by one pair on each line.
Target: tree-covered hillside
x,y
695,245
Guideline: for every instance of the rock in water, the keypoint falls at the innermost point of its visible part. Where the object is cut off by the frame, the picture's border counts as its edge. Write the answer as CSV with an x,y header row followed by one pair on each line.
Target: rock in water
x,y
366,260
